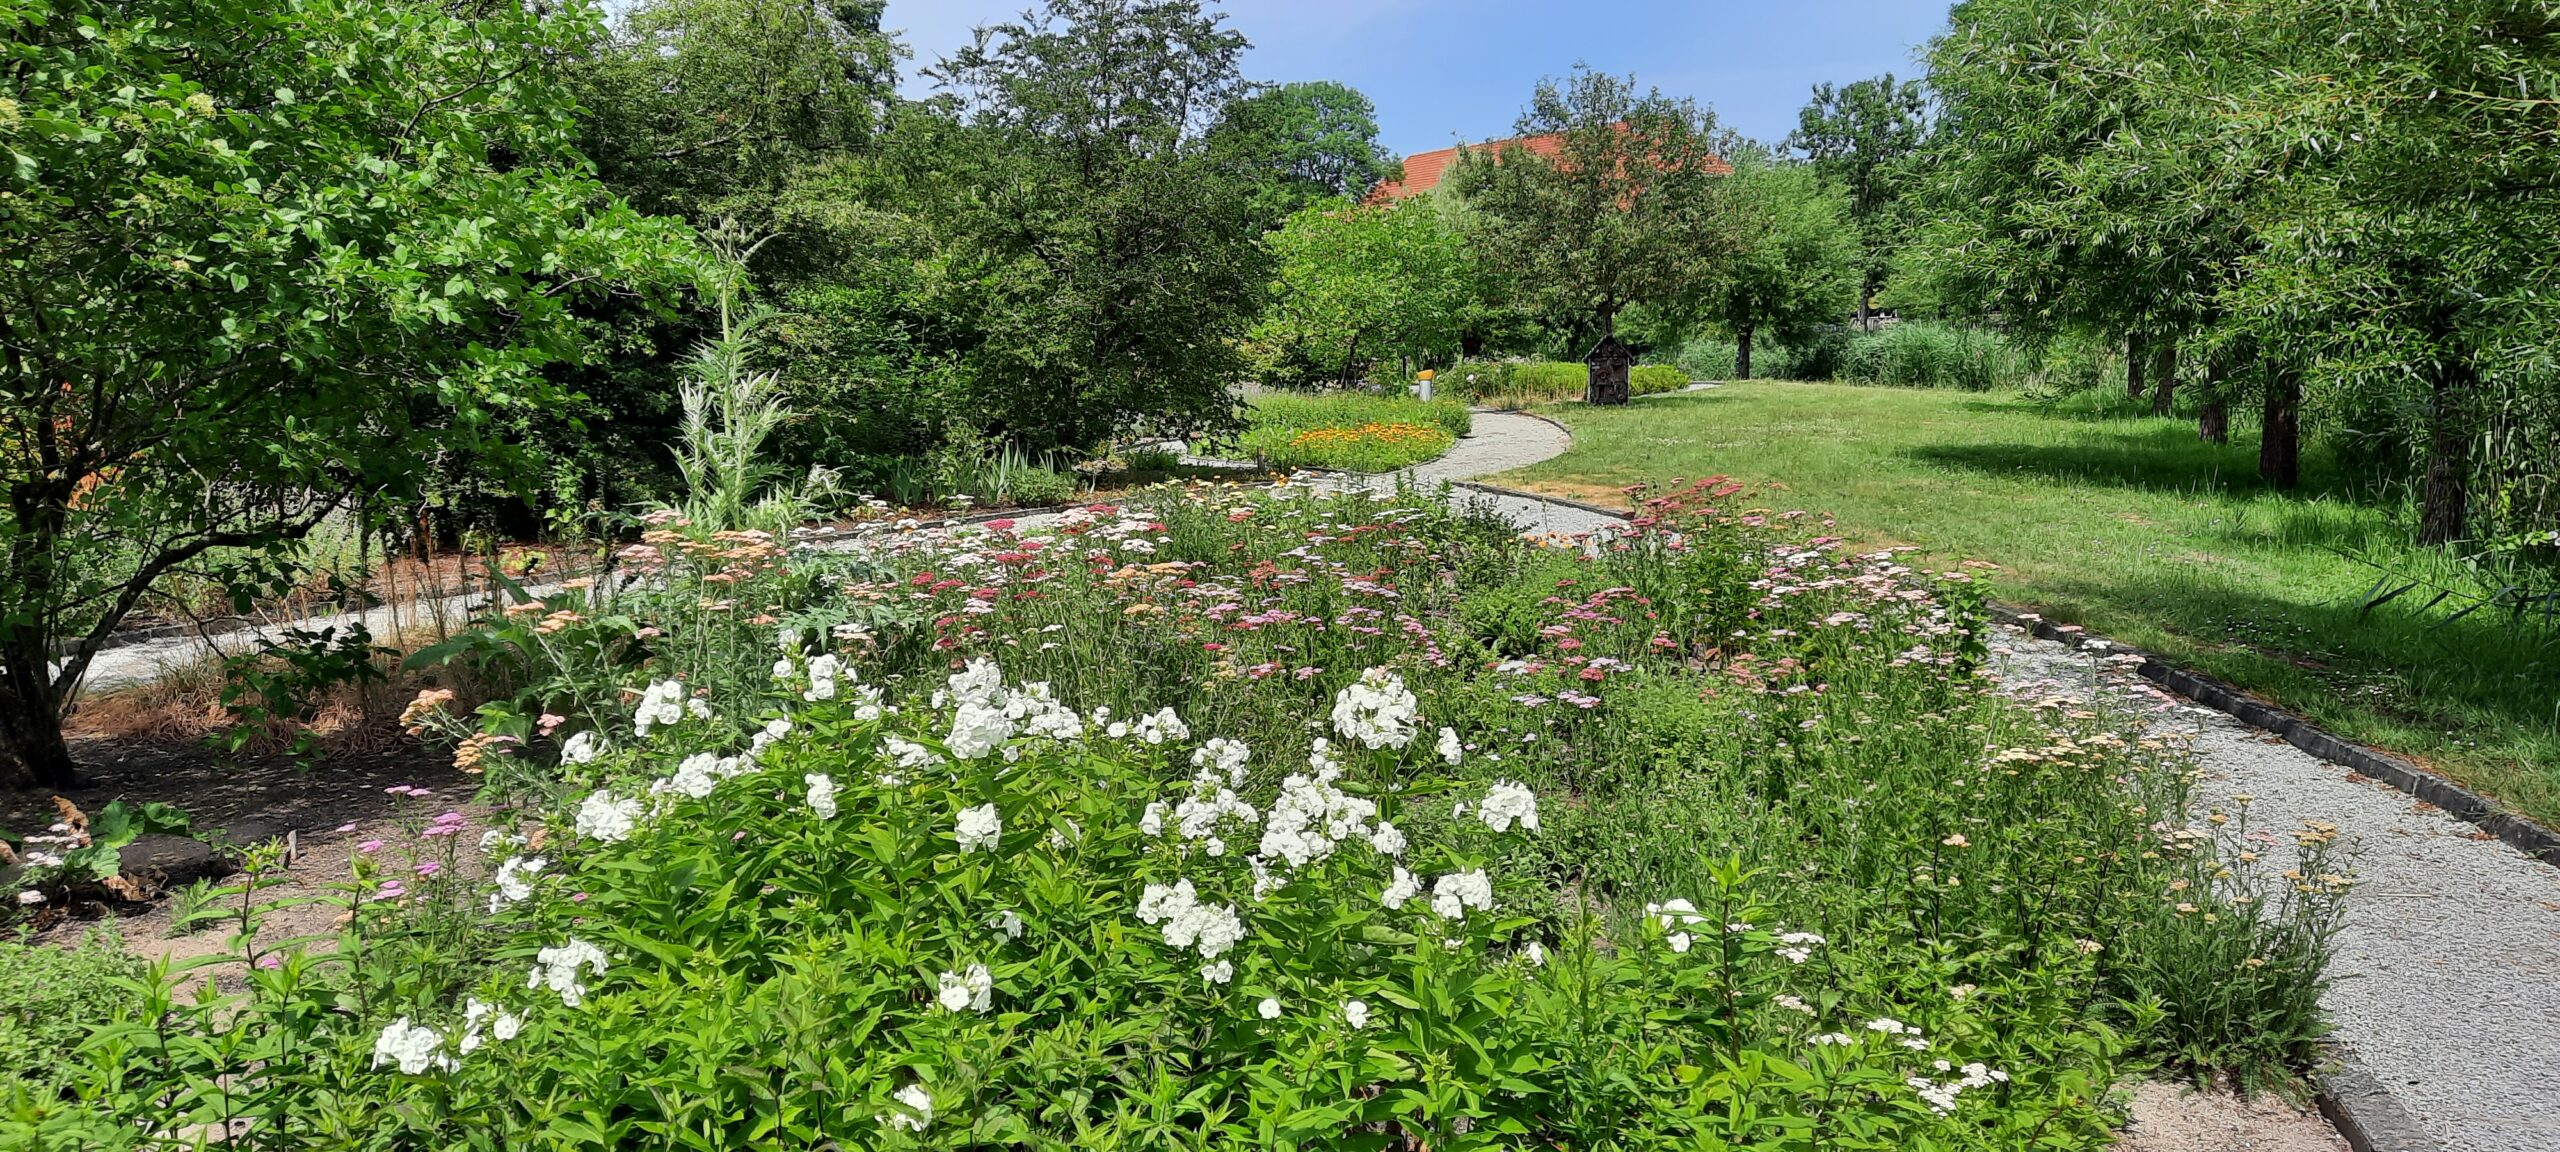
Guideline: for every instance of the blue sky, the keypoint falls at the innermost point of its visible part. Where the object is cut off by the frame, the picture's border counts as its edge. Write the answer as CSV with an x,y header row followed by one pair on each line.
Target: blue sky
x,y
1442,70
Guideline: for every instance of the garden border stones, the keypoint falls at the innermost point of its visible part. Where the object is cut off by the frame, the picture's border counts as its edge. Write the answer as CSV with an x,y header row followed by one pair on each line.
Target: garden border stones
x,y
2457,801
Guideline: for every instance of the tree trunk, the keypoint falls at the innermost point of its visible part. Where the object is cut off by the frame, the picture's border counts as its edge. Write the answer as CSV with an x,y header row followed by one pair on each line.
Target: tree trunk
x,y
2133,354
2445,506
2280,429
2164,375
1742,354
2213,417
32,753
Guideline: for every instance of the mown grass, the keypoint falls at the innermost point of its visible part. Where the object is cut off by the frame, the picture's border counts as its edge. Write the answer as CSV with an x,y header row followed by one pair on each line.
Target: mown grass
x,y
1350,432
2132,527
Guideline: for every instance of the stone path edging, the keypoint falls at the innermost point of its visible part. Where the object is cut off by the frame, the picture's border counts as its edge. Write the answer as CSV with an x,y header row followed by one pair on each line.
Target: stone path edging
x,y
2459,802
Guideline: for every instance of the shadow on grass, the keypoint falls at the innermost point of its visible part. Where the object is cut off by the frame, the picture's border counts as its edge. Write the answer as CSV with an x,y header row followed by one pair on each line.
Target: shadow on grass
x,y
2392,677
2159,459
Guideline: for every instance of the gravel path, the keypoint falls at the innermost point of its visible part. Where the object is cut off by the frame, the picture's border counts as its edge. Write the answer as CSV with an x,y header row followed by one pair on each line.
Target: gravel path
x,y
2448,970
1500,442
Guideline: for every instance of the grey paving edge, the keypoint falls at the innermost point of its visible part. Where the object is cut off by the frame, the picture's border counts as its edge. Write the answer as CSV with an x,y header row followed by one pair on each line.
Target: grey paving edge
x,y
2457,801
2363,1111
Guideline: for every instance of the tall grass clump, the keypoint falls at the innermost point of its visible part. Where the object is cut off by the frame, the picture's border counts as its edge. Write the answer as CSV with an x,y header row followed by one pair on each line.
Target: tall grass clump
x,y
1921,354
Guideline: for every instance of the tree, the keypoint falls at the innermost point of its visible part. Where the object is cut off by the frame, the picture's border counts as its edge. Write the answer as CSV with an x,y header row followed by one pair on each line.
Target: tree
x,y
261,261
1794,261
1623,212
1308,143
1864,137
1357,285
1085,215
706,108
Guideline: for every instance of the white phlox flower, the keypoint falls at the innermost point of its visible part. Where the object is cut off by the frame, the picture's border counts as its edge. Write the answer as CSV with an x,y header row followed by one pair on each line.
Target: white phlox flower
x,y
660,707
1387,839
606,817
822,794
978,728
1534,954
824,672
1269,1009
767,736
698,774
908,755
979,828
1400,889
557,969
1507,803
1219,973
581,748
970,991
1449,748
1453,894
1161,726
414,1049
1356,1013
1200,816
501,1025
1797,947
1008,923
981,682
1036,711
1311,816
915,1109
1225,756
515,880
1377,711
1674,916
1188,922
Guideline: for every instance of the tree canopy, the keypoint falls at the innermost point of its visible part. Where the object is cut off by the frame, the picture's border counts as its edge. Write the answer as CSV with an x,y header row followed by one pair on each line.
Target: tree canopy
x,y
261,261
1623,213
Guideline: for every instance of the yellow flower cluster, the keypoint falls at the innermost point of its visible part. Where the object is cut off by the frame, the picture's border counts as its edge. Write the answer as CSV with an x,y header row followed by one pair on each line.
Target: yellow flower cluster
x,y
1390,435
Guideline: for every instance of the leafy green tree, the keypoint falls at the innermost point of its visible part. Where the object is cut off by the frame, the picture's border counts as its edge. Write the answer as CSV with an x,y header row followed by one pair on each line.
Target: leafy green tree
x,y
2071,186
1310,142
706,108
261,261
1865,136
2410,250
1624,212
1085,215
1357,285
1794,262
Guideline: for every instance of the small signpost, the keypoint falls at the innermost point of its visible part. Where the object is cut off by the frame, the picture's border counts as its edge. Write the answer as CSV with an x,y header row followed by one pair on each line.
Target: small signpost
x,y
1611,363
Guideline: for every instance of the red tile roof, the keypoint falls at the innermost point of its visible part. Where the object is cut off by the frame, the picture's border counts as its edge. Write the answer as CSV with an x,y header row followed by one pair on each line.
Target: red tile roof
x,y
1423,171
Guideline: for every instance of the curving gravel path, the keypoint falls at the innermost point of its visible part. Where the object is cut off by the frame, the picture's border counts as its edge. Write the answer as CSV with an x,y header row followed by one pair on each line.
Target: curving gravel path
x,y
2448,970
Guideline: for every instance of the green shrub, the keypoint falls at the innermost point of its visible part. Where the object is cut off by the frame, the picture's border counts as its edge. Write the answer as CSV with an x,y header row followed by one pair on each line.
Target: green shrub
x,y
1653,379
53,998
1041,488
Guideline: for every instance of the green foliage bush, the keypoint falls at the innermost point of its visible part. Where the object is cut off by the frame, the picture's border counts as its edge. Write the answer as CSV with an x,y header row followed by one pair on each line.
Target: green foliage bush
x,y
51,996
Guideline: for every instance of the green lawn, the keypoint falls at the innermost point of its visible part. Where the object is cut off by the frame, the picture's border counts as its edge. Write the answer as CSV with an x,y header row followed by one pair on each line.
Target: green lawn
x,y
2130,526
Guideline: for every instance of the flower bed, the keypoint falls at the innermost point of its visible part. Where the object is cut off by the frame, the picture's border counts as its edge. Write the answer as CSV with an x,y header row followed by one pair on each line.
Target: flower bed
x,y
1254,819
1350,432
